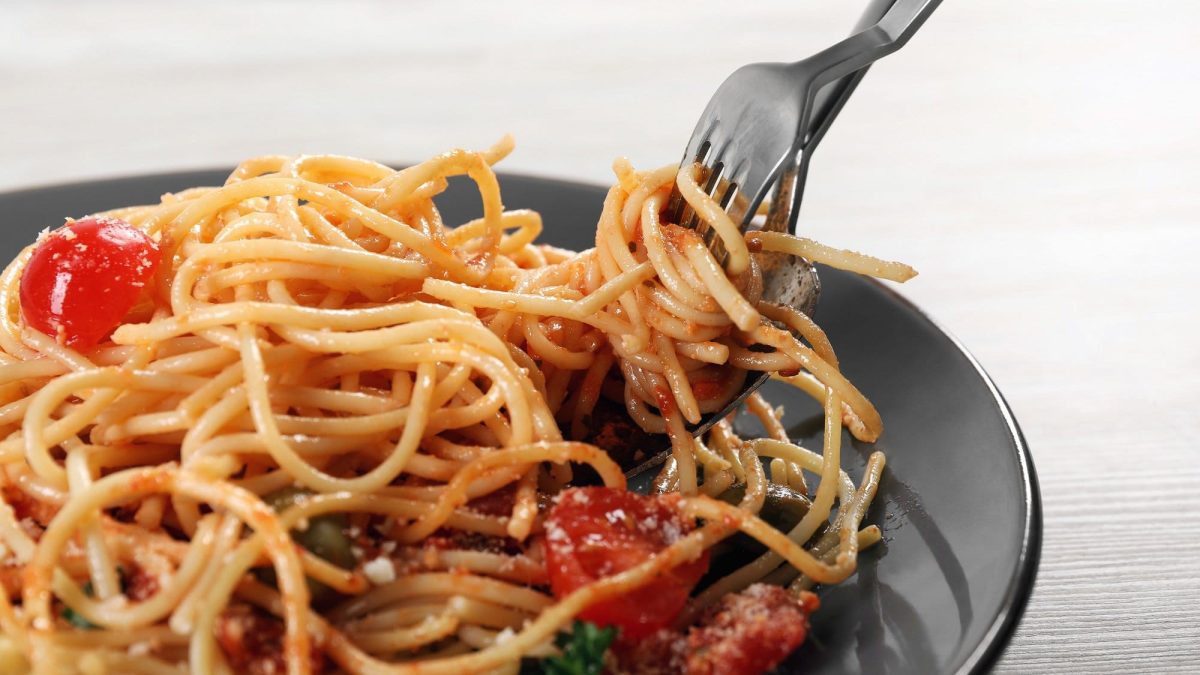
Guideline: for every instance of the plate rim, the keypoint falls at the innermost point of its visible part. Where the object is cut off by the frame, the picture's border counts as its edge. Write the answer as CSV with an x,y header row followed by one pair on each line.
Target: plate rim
x,y
1023,579
1021,584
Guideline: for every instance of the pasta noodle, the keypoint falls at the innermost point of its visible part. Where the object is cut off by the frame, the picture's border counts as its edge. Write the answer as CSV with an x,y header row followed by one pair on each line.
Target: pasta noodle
x,y
315,330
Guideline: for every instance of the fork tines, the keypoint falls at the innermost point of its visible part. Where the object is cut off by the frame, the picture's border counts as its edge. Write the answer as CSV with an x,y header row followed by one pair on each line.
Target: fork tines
x,y
712,173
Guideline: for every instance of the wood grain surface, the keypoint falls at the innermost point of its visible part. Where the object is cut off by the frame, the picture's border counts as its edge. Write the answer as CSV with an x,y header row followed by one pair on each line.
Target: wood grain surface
x,y
1037,161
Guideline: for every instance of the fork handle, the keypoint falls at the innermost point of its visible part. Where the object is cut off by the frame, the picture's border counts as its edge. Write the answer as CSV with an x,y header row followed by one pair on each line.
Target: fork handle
x,y
885,26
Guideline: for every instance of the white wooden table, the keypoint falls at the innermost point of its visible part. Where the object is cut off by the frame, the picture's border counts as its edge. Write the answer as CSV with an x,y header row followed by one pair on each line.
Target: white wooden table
x,y
1038,162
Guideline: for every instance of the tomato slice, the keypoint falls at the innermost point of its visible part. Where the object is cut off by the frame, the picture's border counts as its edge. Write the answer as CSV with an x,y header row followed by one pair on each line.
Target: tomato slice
x,y
83,278
597,532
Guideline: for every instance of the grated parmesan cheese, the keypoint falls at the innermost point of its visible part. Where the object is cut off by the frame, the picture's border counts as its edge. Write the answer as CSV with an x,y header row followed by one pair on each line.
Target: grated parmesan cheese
x,y
380,571
505,635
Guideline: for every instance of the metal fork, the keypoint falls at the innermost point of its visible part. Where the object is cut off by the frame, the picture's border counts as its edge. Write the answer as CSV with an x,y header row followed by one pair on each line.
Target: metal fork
x,y
757,135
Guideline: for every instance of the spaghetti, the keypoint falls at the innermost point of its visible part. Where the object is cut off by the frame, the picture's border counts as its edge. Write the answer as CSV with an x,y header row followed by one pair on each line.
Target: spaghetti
x,y
317,349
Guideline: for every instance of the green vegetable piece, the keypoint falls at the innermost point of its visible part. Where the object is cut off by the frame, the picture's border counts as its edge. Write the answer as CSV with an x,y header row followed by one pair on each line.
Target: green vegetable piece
x,y
325,537
75,618
582,650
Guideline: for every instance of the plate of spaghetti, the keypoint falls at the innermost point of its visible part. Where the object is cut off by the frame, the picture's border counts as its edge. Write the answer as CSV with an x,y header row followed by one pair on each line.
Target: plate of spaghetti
x,y
320,415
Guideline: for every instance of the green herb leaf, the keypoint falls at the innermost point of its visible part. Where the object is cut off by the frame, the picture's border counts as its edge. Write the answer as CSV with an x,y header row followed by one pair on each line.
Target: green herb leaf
x,y
76,619
582,650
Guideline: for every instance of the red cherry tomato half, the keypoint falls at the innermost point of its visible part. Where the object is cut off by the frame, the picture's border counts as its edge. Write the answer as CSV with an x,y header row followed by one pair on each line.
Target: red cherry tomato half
x,y
597,532
84,277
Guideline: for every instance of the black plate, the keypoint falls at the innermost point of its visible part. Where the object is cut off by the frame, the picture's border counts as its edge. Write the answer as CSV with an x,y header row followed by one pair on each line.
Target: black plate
x,y
958,505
